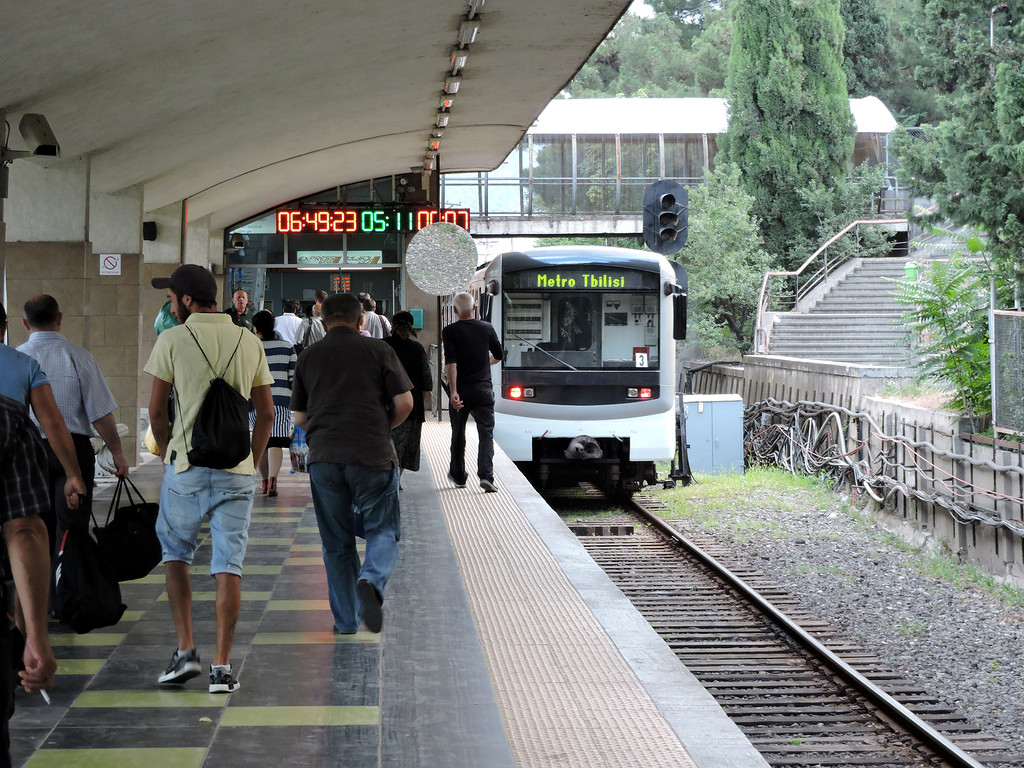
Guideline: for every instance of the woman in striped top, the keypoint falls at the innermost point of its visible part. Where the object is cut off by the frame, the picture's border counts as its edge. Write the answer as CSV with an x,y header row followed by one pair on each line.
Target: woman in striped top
x,y
281,359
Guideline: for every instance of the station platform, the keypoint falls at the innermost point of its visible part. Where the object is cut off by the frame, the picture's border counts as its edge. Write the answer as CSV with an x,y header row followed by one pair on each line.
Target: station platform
x,y
503,645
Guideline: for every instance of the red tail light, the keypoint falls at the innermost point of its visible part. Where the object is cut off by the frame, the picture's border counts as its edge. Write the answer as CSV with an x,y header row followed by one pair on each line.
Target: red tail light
x,y
515,393
645,393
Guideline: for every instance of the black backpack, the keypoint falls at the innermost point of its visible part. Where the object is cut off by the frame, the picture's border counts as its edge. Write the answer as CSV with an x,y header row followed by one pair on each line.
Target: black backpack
x,y
220,435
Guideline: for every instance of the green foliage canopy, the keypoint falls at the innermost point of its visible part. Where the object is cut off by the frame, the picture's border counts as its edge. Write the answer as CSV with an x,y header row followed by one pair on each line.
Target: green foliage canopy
x,y
972,163
948,310
724,261
790,124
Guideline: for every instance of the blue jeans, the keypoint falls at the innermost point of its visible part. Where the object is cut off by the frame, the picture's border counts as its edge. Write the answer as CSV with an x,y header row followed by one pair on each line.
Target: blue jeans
x,y
337,488
198,492
483,415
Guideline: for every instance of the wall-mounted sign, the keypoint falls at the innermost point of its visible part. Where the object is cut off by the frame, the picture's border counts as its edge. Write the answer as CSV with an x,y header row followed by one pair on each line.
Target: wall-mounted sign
x,y
352,219
322,258
110,263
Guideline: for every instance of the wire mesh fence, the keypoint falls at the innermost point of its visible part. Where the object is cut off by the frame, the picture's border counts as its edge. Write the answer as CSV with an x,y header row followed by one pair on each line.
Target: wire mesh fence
x,y
1008,371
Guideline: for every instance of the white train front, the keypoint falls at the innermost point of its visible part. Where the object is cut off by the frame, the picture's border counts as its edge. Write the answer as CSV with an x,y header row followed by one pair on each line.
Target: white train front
x,y
586,390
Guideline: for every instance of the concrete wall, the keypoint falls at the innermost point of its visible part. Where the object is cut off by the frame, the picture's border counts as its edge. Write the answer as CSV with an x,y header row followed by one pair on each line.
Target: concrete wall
x,y
787,378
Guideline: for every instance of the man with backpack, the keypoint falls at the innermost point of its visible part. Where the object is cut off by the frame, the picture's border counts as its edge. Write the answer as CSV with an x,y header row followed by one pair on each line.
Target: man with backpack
x,y
211,365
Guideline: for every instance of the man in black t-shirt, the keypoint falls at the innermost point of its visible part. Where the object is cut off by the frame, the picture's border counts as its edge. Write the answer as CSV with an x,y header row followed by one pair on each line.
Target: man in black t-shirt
x,y
471,347
348,411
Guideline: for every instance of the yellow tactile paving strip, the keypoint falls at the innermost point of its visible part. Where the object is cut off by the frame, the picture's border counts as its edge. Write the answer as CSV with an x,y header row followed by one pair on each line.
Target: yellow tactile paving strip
x,y
554,669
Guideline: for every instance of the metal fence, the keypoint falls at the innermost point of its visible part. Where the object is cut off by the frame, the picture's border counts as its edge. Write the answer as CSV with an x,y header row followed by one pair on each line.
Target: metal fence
x,y
1008,372
969,492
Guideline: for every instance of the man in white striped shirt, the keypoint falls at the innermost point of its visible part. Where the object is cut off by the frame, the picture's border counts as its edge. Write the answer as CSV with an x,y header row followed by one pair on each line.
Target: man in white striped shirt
x,y
84,400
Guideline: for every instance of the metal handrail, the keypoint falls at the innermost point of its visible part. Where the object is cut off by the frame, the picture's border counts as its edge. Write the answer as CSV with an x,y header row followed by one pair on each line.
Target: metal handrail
x,y
763,298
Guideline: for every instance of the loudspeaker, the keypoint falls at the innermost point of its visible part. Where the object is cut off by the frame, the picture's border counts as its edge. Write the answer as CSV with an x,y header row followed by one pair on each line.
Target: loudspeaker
x,y
149,230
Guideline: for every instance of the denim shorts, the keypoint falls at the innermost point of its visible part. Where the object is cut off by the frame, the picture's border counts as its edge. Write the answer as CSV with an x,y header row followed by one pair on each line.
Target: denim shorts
x,y
188,497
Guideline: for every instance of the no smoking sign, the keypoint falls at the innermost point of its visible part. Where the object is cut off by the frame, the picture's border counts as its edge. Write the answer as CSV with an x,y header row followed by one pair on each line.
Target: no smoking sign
x,y
110,263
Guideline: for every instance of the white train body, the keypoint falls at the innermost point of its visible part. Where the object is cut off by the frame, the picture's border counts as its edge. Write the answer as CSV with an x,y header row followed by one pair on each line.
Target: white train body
x,y
589,338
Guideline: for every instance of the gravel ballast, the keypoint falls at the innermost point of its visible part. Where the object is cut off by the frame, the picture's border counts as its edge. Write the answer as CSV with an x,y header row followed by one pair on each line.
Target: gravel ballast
x,y
964,644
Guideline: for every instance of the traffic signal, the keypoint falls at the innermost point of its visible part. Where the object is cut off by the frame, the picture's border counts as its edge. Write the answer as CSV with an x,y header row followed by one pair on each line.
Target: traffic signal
x,y
666,216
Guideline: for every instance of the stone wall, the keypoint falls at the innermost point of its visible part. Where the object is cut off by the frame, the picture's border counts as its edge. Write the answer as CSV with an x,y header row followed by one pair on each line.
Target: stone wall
x,y
100,313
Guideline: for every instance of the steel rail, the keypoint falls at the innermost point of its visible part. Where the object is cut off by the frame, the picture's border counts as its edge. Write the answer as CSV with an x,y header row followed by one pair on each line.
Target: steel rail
x,y
903,717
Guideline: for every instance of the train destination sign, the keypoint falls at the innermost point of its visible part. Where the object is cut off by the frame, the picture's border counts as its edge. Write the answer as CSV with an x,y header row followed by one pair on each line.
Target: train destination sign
x,y
357,219
581,279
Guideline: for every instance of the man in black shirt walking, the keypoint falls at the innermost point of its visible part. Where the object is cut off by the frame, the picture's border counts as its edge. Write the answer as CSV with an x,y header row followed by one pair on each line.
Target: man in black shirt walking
x,y
471,347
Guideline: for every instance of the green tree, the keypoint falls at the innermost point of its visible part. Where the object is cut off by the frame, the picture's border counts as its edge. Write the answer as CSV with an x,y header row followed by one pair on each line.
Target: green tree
x,y
724,260
912,102
972,163
867,48
641,57
790,124
948,310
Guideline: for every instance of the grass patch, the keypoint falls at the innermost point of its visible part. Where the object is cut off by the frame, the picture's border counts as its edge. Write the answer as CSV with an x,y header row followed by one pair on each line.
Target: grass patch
x,y
967,575
914,628
723,502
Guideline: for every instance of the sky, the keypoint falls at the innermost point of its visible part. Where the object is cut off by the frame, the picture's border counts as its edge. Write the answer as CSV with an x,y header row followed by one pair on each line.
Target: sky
x,y
640,8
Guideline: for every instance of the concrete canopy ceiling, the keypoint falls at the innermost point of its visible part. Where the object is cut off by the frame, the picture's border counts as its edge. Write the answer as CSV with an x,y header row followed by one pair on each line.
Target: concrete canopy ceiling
x,y
239,105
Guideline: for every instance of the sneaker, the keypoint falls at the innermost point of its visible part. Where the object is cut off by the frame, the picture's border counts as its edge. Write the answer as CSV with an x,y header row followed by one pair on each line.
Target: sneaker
x,y
373,616
184,666
455,482
222,682
489,486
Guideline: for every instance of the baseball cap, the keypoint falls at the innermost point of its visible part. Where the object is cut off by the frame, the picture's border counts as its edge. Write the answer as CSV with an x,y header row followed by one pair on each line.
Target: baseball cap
x,y
190,280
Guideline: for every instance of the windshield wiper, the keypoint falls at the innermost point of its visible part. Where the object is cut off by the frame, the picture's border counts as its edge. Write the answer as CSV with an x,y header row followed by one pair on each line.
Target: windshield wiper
x,y
553,357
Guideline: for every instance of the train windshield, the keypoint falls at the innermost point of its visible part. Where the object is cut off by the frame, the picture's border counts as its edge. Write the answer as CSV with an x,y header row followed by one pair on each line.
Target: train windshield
x,y
580,330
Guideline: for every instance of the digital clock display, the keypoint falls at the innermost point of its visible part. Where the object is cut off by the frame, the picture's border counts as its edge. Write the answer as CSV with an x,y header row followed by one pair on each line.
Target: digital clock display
x,y
365,220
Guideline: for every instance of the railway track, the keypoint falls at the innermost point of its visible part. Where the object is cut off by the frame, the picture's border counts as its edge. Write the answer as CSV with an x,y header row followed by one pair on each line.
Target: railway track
x,y
803,695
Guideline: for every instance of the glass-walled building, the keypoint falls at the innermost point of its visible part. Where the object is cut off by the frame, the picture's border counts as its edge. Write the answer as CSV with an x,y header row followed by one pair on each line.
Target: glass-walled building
x,y
596,156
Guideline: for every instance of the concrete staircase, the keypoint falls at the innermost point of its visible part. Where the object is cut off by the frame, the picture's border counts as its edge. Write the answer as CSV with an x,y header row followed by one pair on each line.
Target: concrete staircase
x,y
855,321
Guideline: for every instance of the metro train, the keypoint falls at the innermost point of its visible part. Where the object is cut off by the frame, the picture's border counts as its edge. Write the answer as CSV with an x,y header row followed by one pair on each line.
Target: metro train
x,y
586,389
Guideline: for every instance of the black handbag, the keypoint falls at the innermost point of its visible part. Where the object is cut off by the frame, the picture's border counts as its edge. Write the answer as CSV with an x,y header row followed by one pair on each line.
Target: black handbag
x,y
87,594
128,543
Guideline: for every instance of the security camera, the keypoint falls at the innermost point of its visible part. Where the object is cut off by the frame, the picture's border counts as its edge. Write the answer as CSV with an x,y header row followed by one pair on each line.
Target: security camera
x,y
238,240
38,136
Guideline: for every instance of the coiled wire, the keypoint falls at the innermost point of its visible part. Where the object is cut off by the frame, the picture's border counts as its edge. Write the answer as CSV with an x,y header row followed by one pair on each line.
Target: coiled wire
x,y
816,438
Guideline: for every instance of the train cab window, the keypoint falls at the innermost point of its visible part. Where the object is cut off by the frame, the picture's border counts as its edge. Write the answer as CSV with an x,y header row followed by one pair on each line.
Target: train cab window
x,y
574,324
580,330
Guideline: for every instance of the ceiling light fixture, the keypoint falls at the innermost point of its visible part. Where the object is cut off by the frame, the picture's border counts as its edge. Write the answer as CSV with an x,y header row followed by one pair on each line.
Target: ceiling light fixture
x,y
452,83
428,163
434,144
437,133
457,59
467,31
447,100
442,119
474,7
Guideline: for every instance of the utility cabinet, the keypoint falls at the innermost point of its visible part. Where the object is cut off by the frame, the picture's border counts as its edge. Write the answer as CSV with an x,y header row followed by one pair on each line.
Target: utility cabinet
x,y
713,426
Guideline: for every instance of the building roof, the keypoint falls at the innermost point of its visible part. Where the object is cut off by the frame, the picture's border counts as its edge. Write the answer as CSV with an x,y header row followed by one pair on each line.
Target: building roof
x,y
675,116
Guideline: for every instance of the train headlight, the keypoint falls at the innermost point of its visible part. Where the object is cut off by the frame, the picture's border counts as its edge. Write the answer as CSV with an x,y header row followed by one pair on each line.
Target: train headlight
x,y
642,393
632,392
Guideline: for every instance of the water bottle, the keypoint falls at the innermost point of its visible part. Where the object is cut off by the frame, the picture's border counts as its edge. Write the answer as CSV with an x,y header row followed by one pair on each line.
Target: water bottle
x,y
299,451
